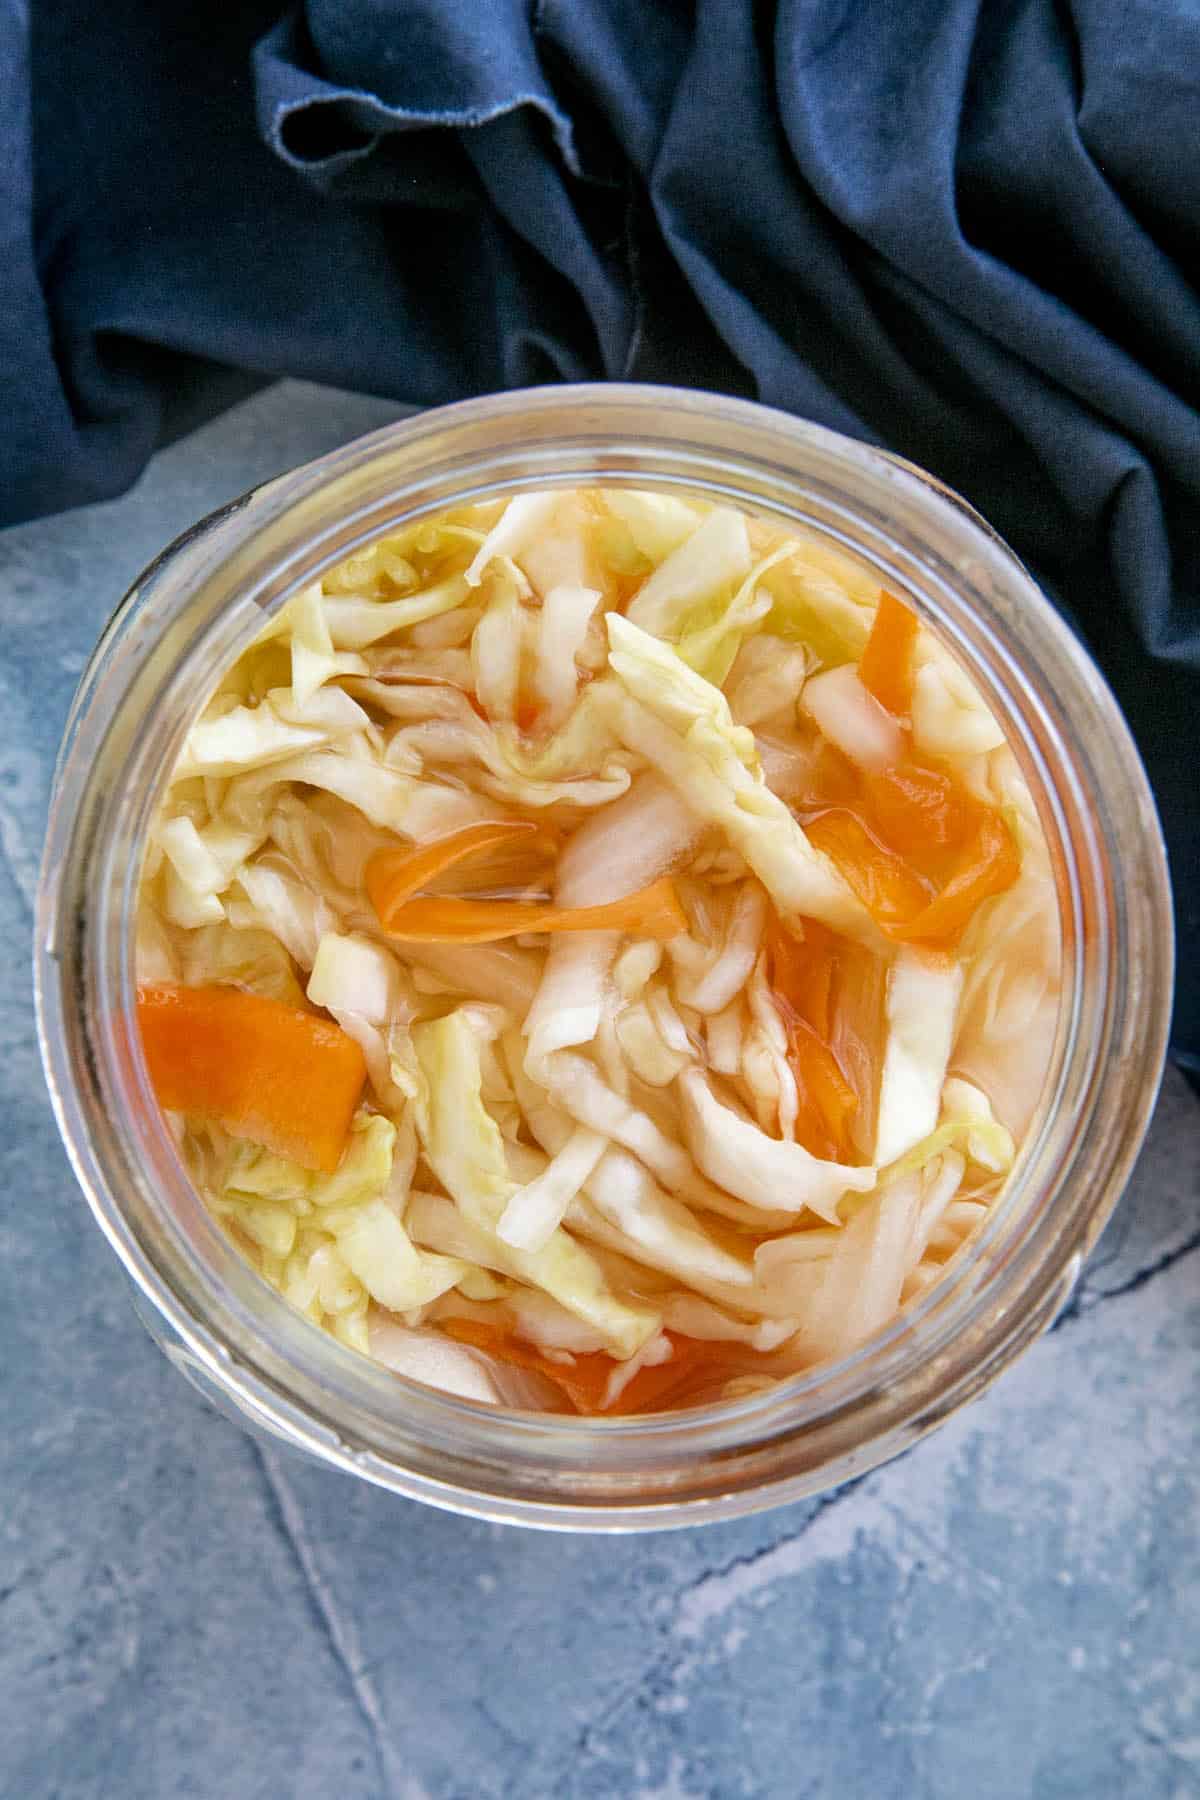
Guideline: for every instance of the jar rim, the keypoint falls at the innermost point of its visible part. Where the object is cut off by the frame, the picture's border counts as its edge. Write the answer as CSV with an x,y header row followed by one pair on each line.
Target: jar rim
x,y
214,584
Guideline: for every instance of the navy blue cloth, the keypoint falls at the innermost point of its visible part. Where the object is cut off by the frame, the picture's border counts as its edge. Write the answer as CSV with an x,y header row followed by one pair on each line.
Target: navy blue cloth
x,y
966,229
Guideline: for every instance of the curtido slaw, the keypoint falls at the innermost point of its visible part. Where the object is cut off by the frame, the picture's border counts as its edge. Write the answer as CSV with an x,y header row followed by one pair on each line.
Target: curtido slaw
x,y
597,951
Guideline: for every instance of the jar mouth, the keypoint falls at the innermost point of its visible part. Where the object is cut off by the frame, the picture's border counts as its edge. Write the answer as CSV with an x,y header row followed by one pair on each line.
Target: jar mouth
x,y
194,610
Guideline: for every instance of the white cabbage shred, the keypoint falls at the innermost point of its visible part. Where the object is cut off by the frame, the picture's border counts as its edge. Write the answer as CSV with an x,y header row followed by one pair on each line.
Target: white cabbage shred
x,y
593,1145
852,719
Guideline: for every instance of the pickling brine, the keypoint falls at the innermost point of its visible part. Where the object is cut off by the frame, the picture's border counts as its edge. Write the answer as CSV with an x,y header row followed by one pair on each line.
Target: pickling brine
x,y
598,952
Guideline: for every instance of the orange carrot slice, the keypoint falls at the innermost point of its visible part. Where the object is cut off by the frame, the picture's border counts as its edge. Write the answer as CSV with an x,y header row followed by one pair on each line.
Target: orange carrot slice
x,y
902,903
283,1078
443,919
800,972
885,667
891,892
990,865
584,1381
820,1079
915,808
657,1385
394,876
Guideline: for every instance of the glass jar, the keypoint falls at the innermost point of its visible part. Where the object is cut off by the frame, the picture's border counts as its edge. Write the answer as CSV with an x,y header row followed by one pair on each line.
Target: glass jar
x,y
192,613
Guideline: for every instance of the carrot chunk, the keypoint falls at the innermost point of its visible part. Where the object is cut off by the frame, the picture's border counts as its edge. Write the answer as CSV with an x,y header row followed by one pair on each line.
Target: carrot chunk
x,y
885,667
990,865
801,973
653,911
903,904
279,1076
891,892
584,1380
394,876
819,1078
916,808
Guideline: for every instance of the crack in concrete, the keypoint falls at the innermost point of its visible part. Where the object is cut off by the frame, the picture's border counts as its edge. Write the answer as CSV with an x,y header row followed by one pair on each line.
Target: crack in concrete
x,y
1087,1298
288,1521
719,1588
664,1670
779,1550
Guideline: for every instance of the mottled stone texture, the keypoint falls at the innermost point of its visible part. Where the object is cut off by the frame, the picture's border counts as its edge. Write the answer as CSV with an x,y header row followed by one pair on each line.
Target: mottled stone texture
x,y
1011,1610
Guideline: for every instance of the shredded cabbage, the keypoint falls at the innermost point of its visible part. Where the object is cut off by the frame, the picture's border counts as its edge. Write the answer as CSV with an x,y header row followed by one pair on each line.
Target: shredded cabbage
x,y
355,975
646,1050
516,526
463,1147
922,1005
665,1231
251,959
657,523
619,850
314,658
684,725
762,1170
822,602
269,896
536,1210
497,646
937,1193
723,1034
697,1318
635,966
436,1361
626,846
861,1281
968,1124
566,615
710,646
362,986
949,718
728,1155
713,557
853,719
334,1243
724,975
507,771
580,1090
356,624
280,726
766,679
766,1049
